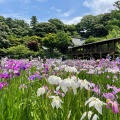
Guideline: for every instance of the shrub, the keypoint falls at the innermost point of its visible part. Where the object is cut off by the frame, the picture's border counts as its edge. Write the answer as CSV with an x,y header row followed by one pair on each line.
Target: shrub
x,y
19,51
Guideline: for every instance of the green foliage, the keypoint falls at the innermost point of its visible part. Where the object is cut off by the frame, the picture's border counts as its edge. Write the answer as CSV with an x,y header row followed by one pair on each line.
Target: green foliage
x,y
91,39
93,25
3,52
63,41
60,41
113,34
18,27
72,30
114,23
50,41
44,28
19,51
2,19
117,5
33,21
58,23
54,54
13,41
4,32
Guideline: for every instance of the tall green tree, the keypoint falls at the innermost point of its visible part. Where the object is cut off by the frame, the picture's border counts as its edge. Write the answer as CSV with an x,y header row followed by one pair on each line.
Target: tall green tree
x,y
72,30
9,22
4,32
2,19
44,28
63,41
85,27
117,5
50,41
33,21
58,23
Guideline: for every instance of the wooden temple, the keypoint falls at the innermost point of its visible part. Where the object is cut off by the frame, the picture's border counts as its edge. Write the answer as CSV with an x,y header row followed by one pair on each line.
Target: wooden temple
x,y
96,50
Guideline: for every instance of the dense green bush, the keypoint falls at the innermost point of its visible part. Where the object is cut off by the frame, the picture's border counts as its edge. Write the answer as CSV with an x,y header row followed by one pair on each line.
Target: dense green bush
x,y
3,52
20,51
54,54
91,39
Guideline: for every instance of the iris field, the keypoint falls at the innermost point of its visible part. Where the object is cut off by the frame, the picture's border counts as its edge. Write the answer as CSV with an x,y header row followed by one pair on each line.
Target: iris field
x,y
59,90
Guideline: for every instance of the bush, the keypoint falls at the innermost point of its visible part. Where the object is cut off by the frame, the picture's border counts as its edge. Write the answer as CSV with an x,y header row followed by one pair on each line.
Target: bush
x,y
3,52
54,54
19,51
91,39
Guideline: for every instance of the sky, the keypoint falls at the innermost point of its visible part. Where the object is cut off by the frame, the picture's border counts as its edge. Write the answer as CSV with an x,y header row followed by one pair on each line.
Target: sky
x,y
68,11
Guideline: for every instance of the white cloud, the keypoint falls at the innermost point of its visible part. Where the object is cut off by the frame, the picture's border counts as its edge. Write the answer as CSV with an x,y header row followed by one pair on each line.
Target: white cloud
x,y
67,14
19,16
16,16
99,6
72,21
56,9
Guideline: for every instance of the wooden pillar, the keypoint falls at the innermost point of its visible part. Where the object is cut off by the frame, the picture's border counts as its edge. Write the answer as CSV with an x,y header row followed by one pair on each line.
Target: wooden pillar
x,y
90,55
100,48
83,56
108,46
113,55
114,50
100,55
76,56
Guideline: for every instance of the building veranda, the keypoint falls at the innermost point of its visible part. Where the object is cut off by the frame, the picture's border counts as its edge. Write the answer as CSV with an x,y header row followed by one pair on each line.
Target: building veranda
x,y
96,50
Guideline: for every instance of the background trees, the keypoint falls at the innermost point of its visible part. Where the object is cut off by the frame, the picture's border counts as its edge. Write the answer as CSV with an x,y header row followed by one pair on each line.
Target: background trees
x,y
33,21
58,23
44,28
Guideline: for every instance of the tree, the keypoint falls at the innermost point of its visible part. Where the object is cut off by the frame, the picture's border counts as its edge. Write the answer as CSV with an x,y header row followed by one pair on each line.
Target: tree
x,y
103,18
58,23
33,21
4,32
99,30
63,41
59,41
19,51
19,27
85,27
9,22
72,30
117,5
113,34
90,40
2,19
44,28
50,41
113,23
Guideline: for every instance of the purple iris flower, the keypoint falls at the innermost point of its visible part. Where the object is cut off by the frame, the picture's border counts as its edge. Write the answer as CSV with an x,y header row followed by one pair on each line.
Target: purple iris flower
x,y
46,67
1,85
33,77
5,75
4,84
96,90
109,96
116,90
115,106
